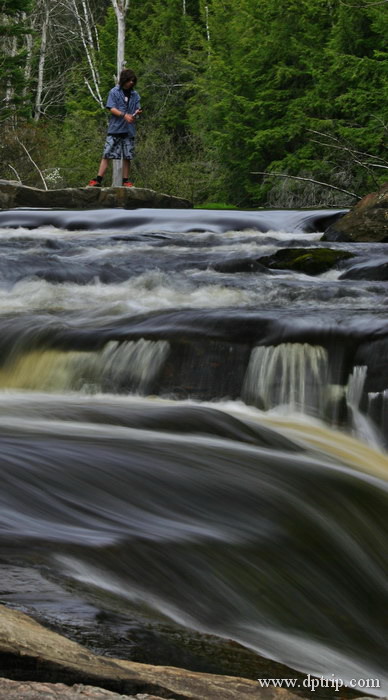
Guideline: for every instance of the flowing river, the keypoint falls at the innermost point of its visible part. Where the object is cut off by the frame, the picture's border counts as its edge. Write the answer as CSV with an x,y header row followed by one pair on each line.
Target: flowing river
x,y
193,438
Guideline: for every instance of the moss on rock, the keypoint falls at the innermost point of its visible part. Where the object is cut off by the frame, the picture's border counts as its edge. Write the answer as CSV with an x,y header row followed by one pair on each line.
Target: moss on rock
x,y
311,261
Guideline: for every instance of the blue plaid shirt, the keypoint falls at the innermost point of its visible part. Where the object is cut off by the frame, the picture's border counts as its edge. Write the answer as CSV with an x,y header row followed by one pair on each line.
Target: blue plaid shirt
x,y
117,99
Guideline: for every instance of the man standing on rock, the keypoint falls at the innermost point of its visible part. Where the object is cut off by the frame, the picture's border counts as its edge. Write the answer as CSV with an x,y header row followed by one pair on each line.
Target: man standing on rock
x,y
124,105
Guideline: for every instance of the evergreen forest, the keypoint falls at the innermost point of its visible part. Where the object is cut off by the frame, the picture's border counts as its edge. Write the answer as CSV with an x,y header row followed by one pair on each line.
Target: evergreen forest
x,y
239,97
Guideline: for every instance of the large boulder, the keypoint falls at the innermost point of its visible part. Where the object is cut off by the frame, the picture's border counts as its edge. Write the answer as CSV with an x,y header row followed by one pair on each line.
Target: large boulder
x,y
13,194
366,222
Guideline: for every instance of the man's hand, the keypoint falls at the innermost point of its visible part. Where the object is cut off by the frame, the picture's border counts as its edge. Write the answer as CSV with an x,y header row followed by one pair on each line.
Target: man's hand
x,y
132,117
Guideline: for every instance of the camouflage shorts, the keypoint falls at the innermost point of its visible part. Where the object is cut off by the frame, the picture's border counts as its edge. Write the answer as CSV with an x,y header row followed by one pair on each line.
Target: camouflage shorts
x,y
117,147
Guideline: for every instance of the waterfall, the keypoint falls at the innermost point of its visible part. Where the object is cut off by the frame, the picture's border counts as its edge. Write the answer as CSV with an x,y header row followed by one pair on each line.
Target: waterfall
x,y
355,386
377,410
361,424
127,366
297,375
292,374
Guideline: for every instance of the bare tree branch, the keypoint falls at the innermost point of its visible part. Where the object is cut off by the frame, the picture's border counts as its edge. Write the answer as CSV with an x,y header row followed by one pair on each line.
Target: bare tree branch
x,y
359,162
32,161
97,98
358,158
342,146
15,171
308,179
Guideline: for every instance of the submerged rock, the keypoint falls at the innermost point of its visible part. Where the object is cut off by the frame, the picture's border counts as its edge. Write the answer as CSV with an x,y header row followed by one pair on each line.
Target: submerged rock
x,y
245,264
311,261
16,195
366,222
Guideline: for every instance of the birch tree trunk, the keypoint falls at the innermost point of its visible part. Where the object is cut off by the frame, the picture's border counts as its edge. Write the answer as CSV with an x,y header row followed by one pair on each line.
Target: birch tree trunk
x,y
121,8
42,61
207,25
84,24
10,92
28,70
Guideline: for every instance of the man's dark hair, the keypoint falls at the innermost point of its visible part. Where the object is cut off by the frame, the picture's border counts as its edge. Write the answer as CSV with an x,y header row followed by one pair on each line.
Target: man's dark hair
x,y
125,75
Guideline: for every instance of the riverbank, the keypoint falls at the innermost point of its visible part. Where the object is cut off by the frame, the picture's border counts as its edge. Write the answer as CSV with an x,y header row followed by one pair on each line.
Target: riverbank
x,y
32,655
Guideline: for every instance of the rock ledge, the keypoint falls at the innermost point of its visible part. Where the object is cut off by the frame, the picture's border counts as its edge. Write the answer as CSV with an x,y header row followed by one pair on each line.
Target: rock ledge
x,y
13,194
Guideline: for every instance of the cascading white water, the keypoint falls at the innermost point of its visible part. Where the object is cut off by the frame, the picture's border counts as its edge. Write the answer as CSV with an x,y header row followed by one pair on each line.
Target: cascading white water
x,y
292,374
355,386
296,376
377,409
361,424
130,365
135,362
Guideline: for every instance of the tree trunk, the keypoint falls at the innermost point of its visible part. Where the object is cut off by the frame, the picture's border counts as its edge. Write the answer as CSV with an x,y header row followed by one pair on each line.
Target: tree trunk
x,y
42,61
207,25
84,24
10,92
28,69
120,8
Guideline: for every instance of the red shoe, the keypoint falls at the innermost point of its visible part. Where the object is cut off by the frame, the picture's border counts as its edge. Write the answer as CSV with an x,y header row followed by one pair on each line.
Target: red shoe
x,y
128,184
94,183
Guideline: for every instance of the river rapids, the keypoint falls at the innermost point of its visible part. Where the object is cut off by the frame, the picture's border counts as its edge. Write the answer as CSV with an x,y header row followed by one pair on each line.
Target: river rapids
x,y
206,446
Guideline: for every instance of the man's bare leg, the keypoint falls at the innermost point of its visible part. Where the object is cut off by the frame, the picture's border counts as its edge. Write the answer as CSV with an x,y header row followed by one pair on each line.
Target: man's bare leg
x,y
126,168
103,166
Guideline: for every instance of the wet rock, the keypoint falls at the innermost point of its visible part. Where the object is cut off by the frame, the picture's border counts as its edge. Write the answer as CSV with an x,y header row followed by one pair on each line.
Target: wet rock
x,y
17,195
373,354
15,690
375,273
311,261
366,222
29,652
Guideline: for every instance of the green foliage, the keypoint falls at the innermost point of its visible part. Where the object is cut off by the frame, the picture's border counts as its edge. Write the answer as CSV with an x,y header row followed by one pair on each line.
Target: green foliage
x,y
12,55
296,87
178,167
280,72
75,148
29,138
11,8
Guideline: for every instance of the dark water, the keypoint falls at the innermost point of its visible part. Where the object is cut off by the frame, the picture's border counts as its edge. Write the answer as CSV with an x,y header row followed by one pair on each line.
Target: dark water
x,y
200,446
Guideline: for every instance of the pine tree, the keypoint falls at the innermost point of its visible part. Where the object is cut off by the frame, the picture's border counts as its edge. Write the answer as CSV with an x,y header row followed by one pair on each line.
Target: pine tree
x,y
12,55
